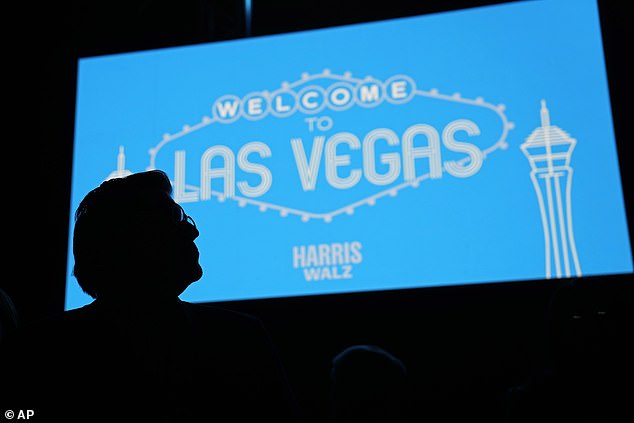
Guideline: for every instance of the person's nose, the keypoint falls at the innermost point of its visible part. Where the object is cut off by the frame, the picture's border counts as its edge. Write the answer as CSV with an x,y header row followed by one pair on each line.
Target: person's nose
x,y
192,231
187,229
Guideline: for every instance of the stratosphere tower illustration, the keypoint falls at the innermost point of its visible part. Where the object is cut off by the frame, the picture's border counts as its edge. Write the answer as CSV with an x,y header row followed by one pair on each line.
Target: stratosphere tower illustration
x,y
549,151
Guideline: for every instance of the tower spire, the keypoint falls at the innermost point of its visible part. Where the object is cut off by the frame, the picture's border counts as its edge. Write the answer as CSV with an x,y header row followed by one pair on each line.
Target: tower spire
x,y
121,171
545,115
121,160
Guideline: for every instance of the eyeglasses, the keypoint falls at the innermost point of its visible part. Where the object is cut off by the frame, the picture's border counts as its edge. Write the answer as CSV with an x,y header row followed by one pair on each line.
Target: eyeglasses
x,y
182,217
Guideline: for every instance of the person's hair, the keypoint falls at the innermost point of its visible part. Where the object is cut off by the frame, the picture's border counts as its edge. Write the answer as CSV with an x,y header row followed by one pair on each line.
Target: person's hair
x,y
108,224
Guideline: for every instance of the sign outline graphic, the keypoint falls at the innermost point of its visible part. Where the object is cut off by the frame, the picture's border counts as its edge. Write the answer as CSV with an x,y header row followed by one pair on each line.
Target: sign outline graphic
x,y
371,200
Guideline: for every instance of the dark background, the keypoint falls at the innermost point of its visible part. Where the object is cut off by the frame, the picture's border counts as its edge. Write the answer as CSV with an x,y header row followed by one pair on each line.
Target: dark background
x,y
463,345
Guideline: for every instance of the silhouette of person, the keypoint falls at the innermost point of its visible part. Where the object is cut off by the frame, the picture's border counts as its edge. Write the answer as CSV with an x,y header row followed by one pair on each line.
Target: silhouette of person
x,y
137,352
589,374
368,384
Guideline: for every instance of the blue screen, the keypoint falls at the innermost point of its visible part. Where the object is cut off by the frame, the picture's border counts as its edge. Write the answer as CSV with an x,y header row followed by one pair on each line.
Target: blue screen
x,y
464,147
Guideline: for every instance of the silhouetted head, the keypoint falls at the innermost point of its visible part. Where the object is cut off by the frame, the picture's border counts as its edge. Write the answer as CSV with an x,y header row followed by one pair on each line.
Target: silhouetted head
x,y
368,385
131,239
